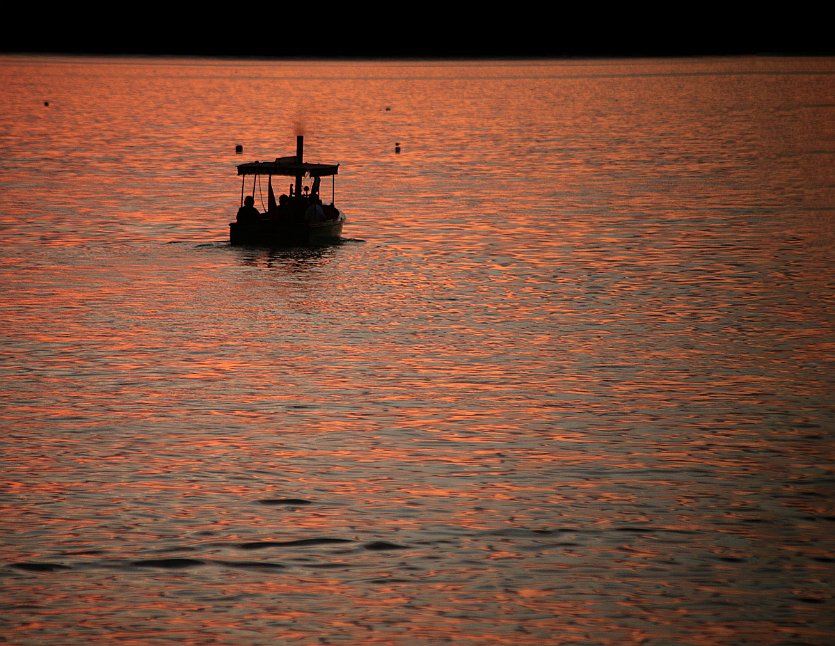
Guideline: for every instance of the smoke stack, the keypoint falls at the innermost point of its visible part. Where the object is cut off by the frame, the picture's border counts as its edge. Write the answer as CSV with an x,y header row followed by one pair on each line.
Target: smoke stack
x,y
299,160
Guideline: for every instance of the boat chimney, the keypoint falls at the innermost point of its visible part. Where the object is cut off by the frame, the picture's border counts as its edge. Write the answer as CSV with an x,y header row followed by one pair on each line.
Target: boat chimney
x,y
299,160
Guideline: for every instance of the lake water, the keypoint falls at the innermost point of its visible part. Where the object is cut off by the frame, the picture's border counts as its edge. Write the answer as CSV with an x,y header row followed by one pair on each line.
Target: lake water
x,y
568,378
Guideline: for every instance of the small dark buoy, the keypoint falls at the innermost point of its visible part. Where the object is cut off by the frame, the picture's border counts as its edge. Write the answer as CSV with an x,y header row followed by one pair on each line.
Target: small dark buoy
x,y
46,103
397,147
388,109
239,149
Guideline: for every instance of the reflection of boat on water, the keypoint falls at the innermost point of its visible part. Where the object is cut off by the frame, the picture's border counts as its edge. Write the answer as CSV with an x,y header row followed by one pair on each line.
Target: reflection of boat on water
x,y
297,260
296,218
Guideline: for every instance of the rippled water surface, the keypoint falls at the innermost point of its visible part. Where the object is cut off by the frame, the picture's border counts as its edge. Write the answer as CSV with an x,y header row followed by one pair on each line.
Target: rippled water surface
x,y
568,378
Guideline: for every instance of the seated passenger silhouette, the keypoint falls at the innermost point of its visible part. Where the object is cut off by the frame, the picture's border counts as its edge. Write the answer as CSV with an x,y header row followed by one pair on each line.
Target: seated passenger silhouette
x,y
248,212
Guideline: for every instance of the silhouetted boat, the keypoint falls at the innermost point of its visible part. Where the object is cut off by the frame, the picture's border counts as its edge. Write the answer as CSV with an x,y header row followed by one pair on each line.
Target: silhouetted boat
x,y
298,217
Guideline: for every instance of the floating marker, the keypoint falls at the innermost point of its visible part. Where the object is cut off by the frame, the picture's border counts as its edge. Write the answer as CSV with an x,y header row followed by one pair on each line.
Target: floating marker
x,y
397,147
388,109
239,149
46,103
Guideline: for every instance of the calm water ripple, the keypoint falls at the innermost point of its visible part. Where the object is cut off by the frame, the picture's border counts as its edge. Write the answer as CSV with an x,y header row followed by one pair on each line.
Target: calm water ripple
x,y
568,379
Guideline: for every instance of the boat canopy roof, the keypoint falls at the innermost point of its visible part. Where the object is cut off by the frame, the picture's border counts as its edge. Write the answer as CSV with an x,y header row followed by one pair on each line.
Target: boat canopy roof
x,y
287,166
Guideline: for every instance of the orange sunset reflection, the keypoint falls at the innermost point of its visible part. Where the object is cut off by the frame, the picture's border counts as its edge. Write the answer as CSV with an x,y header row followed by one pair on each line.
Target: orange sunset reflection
x,y
565,378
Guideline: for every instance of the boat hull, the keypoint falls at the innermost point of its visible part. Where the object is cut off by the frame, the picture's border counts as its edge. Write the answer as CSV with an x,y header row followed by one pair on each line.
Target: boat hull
x,y
267,232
